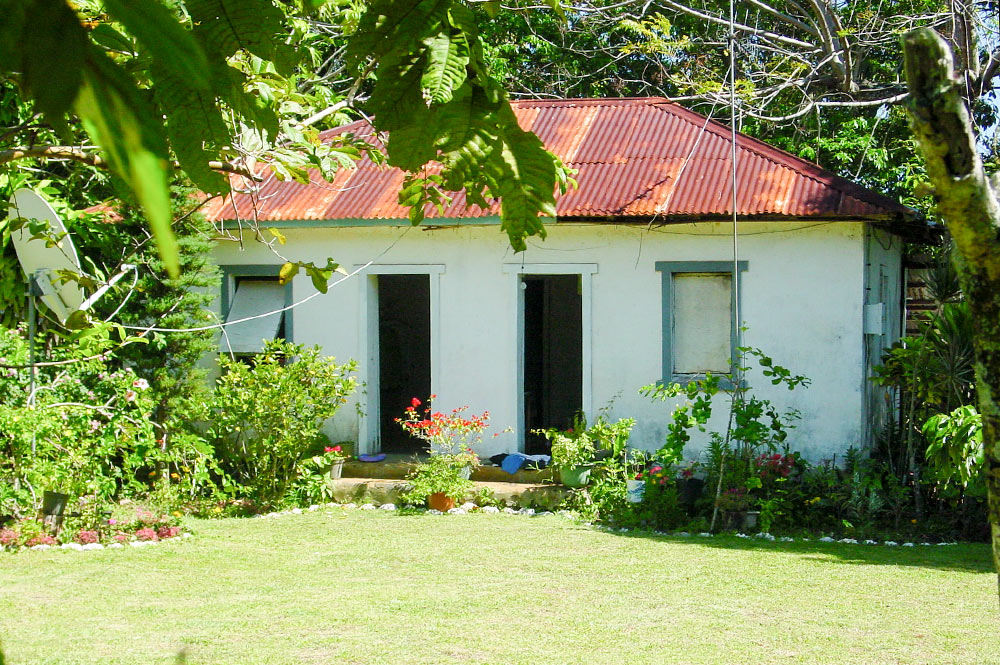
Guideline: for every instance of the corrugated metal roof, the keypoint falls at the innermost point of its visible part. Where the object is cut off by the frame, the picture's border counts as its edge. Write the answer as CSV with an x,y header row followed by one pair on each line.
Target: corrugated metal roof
x,y
639,157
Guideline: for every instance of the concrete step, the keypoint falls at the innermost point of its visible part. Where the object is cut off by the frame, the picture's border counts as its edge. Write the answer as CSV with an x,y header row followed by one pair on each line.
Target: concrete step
x,y
400,466
385,490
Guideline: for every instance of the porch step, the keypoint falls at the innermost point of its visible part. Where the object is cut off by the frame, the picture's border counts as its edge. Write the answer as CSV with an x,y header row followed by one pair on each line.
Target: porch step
x,y
383,490
398,467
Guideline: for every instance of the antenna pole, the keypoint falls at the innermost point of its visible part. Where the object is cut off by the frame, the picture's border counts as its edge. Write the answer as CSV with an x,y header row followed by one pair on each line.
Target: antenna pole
x,y
33,291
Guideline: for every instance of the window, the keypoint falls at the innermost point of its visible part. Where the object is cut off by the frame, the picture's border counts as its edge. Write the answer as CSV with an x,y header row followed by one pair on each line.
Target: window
x,y
253,296
698,331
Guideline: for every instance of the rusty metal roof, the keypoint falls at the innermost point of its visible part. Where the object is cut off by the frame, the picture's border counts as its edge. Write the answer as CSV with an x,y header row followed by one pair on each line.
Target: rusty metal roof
x,y
636,158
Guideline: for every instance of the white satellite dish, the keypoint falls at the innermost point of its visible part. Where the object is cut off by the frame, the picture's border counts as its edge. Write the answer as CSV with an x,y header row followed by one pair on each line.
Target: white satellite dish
x,y
42,261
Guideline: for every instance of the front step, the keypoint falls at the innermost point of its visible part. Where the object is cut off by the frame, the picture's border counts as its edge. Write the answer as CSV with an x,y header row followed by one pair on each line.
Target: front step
x,y
398,467
384,490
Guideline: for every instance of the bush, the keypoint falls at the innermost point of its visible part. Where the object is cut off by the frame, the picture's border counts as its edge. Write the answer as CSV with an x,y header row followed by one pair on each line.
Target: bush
x,y
267,416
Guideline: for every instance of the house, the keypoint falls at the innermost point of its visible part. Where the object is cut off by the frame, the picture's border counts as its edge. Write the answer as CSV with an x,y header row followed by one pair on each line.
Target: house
x,y
634,284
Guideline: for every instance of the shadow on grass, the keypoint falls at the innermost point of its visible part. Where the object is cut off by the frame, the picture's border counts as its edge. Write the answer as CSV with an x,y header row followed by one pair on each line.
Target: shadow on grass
x,y
965,557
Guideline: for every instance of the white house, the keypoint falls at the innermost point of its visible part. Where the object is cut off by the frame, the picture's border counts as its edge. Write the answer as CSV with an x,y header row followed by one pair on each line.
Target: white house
x,y
634,284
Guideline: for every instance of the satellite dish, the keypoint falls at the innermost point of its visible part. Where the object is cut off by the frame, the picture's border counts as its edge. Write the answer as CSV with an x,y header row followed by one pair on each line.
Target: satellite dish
x,y
43,261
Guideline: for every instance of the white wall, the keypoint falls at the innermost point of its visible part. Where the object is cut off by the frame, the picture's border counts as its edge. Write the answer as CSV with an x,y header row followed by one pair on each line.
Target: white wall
x,y
802,300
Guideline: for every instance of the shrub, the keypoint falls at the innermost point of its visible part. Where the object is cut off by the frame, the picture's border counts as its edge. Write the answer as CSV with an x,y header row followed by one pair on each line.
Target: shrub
x,y
268,416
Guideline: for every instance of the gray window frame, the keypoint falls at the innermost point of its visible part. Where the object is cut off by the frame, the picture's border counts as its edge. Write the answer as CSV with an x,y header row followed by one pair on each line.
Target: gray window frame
x,y
667,270
231,273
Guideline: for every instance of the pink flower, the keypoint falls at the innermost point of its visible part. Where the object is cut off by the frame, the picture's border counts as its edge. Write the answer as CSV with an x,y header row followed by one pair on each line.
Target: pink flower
x,y
140,384
86,537
7,536
146,533
130,395
120,537
112,521
168,531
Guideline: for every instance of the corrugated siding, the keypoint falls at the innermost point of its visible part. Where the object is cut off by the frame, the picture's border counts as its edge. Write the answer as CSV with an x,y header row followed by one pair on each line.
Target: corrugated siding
x,y
635,157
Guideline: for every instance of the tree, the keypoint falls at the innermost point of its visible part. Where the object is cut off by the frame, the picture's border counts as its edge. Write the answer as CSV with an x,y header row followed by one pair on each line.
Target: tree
x,y
219,85
967,201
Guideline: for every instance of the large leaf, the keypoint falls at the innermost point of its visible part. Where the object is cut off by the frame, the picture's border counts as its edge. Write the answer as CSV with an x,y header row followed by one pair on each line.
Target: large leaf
x,y
257,26
118,117
53,46
447,58
158,30
193,122
390,29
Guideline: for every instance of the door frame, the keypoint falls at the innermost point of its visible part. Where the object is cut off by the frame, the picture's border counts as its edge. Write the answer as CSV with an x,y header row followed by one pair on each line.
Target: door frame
x,y
586,272
369,417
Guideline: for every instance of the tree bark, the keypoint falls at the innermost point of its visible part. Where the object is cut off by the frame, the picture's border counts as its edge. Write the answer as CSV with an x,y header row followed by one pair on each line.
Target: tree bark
x,y
968,204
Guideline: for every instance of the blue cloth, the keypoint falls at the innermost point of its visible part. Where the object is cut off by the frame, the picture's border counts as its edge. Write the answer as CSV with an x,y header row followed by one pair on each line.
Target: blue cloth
x,y
513,462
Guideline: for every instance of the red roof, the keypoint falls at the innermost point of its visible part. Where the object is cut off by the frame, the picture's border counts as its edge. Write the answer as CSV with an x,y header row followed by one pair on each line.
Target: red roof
x,y
639,157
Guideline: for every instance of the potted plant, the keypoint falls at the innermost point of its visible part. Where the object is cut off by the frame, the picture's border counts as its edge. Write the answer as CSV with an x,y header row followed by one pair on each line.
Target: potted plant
x,y
440,481
572,456
734,504
690,484
335,456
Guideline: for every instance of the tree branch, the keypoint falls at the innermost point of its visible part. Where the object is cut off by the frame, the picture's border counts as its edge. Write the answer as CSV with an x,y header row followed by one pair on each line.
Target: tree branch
x,y
76,154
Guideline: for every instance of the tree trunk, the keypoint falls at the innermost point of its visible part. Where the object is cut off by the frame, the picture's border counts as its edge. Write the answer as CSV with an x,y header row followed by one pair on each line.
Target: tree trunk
x,y
968,205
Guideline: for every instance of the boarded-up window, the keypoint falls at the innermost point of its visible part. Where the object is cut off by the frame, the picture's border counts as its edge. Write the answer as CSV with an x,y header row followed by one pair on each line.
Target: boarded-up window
x,y
702,321
254,297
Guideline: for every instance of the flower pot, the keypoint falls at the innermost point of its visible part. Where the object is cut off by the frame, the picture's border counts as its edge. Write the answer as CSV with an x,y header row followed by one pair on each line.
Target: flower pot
x,y
689,490
54,503
750,519
440,501
337,470
635,490
576,476
465,472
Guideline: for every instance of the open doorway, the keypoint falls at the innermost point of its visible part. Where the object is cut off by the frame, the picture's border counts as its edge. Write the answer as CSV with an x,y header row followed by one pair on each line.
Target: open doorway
x,y
404,354
553,355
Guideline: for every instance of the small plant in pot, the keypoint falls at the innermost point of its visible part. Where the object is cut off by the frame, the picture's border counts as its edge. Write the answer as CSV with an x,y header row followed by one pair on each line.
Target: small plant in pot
x,y
572,456
440,481
335,456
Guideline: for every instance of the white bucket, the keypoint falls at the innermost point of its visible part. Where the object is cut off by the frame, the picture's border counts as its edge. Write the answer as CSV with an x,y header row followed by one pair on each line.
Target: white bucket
x,y
634,490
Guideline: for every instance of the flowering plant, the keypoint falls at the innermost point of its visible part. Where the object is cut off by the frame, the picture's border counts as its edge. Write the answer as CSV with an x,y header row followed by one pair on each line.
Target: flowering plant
x,y
452,433
689,470
774,466
334,454
733,500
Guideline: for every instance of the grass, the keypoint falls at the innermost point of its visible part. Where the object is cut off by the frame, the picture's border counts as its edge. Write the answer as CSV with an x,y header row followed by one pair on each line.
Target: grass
x,y
379,588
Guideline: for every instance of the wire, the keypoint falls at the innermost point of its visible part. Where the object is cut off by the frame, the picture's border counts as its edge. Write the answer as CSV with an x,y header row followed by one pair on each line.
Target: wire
x,y
330,285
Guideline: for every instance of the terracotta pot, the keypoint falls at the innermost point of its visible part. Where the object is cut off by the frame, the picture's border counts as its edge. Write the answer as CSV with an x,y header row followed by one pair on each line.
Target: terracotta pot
x,y
440,501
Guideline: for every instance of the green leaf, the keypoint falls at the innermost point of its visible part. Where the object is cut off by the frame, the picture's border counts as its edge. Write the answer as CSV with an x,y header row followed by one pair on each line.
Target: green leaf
x,y
170,43
390,29
257,26
53,47
111,39
287,272
492,8
193,121
117,117
278,235
447,58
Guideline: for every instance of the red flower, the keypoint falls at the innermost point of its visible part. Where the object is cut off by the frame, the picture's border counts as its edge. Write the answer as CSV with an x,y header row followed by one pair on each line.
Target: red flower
x,y
638,476
415,402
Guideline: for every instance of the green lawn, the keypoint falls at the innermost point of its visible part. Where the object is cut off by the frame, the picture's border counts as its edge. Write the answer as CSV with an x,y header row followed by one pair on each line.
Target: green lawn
x,y
372,588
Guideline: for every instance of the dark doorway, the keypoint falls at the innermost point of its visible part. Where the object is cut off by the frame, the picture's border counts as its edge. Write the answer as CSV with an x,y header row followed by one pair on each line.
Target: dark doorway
x,y
553,355
404,354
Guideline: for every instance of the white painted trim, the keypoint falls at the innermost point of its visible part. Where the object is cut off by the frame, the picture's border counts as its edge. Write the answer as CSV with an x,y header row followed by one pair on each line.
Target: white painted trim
x,y
368,426
586,272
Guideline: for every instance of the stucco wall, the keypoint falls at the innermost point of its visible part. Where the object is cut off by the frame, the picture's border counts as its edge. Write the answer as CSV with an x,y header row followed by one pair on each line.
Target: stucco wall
x,y
801,299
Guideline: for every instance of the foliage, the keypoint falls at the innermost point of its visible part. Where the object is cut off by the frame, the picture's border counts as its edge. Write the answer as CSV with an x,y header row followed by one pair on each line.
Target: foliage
x,y
441,473
225,86
570,449
266,417
85,430
955,448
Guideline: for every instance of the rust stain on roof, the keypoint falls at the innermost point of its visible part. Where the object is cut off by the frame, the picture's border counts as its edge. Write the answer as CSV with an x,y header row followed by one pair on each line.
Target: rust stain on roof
x,y
639,157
